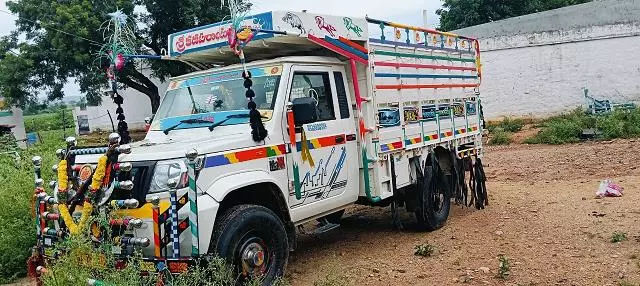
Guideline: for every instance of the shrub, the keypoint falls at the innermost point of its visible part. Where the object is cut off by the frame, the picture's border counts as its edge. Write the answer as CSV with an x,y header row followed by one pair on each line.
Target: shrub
x,y
500,137
567,128
425,249
16,190
507,124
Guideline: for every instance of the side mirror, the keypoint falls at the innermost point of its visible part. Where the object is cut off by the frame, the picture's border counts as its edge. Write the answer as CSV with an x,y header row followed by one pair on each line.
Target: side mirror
x,y
304,110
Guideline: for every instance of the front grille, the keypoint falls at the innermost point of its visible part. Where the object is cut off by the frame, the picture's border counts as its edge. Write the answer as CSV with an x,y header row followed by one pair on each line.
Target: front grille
x,y
141,175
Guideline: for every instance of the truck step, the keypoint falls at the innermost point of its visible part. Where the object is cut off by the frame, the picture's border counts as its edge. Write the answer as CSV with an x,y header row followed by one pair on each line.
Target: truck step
x,y
325,226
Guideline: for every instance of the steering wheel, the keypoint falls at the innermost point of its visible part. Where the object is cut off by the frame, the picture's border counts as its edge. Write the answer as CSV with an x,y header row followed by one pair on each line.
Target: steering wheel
x,y
311,93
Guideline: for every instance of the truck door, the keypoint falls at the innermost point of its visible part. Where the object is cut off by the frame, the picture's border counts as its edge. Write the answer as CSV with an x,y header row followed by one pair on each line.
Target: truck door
x,y
323,180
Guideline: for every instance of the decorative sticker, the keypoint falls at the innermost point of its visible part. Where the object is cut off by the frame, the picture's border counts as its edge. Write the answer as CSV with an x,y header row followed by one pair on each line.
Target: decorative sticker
x,y
411,114
471,108
429,112
389,117
294,21
323,25
317,127
348,23
215,35
444,110
85,173
276,164
458,109
225,76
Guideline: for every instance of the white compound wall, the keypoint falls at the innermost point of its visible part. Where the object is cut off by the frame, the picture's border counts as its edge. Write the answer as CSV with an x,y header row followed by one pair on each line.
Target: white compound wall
x,y
538,65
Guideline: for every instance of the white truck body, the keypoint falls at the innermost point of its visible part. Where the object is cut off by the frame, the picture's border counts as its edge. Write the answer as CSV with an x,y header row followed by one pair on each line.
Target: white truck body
x,y
408,98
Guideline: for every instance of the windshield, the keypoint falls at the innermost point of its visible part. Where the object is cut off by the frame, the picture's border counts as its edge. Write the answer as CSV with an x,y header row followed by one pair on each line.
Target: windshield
x,y
213,97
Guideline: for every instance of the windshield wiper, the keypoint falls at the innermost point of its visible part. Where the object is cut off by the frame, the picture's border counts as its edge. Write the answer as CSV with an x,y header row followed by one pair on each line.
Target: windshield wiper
x,y
186,121
227,119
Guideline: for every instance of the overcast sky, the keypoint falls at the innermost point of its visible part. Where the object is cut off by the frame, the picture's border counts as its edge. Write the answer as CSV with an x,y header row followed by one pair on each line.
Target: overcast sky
x,y
409,12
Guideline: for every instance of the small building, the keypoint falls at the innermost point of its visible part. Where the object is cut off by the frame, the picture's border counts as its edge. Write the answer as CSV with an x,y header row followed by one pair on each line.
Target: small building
x,y
136,106
540,64
12,118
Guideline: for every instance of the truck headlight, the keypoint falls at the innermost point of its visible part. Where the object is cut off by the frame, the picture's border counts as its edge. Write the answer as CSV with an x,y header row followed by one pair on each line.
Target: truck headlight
x,y
170,169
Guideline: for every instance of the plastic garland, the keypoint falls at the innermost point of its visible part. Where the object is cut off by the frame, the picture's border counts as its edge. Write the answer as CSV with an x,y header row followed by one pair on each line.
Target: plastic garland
x,y
63,179
87,207
96,181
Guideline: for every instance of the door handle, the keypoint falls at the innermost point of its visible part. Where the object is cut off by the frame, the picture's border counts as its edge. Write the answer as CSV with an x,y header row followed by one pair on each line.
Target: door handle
x,y
340,139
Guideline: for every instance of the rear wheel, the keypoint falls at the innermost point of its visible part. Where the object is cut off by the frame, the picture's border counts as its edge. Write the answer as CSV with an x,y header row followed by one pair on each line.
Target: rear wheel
x,y
434,201
254,239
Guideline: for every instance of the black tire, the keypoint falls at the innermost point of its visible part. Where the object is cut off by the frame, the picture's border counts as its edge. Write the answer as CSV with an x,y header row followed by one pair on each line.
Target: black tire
x,y
256,232
434,201
335,217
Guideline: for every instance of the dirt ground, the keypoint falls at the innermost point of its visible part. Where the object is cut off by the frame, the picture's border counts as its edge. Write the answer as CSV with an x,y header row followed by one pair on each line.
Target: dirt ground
x,y
543,215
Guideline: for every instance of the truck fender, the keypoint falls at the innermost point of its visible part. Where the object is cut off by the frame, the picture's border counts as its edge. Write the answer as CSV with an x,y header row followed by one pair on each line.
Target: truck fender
x,y
221,187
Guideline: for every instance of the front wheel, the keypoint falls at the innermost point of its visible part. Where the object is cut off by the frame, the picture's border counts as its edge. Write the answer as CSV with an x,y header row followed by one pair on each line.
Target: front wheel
x,y
434,201
254,239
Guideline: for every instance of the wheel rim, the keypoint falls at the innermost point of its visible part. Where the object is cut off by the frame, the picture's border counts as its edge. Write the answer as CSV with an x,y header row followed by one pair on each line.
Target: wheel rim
x,y
254,257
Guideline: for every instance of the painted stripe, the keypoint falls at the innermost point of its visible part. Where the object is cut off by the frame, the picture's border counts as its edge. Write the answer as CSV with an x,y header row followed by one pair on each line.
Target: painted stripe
x,y
461,131
193,206
419,56
166,215
419,46
175,238
421,66
244,155
346,47
335,49
391,146
321,142
156,232
413,141
398,75
431,137
353,44
418,86
446,134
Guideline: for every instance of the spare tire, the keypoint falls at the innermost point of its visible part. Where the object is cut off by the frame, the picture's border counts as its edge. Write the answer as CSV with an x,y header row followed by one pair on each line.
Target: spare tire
x,y
434,201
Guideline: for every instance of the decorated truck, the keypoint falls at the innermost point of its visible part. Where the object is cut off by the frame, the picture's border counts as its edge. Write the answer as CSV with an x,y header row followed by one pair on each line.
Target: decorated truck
x,y
291,118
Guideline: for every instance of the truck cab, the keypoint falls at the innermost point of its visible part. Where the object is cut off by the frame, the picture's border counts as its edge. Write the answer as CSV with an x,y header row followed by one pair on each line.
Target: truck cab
x,y
391,120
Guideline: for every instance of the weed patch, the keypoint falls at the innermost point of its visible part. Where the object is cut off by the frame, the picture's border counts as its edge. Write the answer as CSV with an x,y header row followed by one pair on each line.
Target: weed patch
x,y
617,237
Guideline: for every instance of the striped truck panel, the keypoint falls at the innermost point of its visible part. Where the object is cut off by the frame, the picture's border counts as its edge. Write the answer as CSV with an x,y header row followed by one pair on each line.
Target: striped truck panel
x,y
391,146
431,137
244,155
321,142
413,141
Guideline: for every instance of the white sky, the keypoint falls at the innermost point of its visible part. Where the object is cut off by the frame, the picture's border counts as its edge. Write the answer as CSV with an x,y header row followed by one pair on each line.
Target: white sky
x,y
409,12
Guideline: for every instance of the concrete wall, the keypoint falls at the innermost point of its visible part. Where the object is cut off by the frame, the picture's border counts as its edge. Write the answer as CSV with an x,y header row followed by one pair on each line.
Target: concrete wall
x,y
136,107
16,119
539,64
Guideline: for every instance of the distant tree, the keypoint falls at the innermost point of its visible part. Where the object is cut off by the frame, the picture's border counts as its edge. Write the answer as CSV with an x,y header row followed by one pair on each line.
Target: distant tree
x,y
63,38
458,14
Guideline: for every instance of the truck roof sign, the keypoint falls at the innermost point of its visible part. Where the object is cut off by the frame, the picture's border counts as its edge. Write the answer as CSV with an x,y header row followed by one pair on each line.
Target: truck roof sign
x,y
294,24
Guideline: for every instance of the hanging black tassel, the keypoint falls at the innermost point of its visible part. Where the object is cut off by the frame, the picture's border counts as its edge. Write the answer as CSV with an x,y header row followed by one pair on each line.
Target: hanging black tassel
x,y
258,132
123,127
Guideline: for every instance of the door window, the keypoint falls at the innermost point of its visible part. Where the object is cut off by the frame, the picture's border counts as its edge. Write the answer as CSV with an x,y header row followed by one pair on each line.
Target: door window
x,y
318,86
343,104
